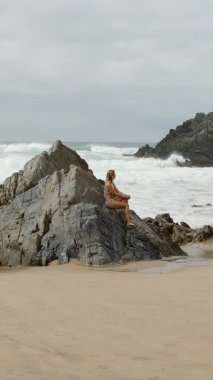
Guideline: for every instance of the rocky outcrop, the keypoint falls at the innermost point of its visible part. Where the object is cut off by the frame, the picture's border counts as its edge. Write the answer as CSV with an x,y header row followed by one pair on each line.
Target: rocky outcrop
x,y
193,140
58,157
180,234
62,215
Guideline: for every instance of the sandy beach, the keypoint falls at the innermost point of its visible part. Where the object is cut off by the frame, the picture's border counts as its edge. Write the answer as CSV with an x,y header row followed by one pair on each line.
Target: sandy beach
x,y
118,323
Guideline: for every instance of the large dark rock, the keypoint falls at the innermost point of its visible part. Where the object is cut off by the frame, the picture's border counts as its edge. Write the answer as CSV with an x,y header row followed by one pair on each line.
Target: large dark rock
x,y
62,215
179,233
193,140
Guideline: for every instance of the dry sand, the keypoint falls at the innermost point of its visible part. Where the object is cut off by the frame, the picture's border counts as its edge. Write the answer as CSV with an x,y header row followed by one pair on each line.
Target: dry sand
x,y
70,323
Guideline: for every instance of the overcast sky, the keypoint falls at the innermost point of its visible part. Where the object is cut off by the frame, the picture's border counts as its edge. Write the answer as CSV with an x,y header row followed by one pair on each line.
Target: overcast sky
x,y
103,70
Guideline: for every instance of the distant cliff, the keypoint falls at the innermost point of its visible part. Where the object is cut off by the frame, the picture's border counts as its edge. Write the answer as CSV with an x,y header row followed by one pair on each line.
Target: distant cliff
x,y
193,140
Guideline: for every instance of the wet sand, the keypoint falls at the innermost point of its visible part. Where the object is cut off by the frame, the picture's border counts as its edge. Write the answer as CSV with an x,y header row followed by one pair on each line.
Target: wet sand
x,y
115,323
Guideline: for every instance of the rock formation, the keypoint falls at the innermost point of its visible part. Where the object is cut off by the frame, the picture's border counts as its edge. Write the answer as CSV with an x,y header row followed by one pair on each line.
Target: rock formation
x,y
58,157
54,209
181,233
193,140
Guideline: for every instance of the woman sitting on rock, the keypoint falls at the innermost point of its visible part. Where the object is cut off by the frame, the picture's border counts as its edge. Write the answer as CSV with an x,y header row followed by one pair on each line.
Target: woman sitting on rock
x,y
116,199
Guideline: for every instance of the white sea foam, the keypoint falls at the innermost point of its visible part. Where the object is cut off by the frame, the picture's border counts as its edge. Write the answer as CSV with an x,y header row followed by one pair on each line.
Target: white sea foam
x,y
155,185
13,156
111,151
10,164
23,147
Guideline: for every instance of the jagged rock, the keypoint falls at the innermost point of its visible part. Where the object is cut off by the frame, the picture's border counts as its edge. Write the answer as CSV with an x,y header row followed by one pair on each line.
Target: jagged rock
x,y
181,233
145,151
46,208
63,216
58,157
202,234
193,140
147,242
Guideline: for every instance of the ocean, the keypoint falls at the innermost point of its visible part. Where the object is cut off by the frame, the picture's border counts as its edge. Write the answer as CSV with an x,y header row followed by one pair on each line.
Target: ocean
x,y
155,186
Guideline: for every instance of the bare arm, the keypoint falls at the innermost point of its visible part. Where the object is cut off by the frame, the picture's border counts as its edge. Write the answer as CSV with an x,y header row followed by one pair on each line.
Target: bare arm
x,y
122,195
110,189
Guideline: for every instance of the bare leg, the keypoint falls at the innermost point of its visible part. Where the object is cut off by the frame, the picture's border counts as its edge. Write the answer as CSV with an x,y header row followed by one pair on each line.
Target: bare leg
x,y
120,199
118,204
127,213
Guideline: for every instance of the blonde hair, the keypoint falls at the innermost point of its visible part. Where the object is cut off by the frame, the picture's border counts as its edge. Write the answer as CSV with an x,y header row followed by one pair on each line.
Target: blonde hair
x,y
110,175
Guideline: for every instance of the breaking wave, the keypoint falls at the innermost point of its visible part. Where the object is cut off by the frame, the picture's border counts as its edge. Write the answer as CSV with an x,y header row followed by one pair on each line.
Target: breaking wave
x,y
23,147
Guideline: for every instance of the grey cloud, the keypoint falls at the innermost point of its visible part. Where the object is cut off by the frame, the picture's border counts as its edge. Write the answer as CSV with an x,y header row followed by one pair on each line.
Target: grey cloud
x,y
105,70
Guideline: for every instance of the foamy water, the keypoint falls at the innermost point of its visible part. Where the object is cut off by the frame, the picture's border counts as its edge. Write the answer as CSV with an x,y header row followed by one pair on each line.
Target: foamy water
x,y
156,186
14,156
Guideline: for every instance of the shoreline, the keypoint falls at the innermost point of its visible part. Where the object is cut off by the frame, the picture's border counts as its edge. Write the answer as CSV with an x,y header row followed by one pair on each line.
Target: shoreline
x,y
198,254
